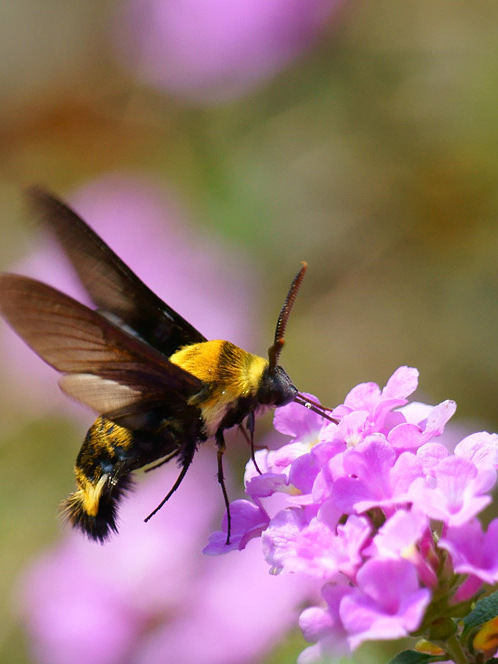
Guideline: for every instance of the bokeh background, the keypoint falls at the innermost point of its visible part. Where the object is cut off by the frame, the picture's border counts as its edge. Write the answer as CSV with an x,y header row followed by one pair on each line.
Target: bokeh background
x,y
216,144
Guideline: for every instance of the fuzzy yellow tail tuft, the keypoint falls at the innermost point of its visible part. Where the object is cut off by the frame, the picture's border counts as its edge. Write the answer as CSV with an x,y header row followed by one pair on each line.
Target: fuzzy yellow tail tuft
x,y
93,507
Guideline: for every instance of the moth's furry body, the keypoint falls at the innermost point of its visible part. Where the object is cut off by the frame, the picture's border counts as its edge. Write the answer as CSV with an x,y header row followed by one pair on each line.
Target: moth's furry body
x,y
231,378
104,465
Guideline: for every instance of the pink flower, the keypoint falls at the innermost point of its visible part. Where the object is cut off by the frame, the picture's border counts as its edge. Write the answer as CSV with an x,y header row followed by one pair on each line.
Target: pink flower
x,y
411,436
399,535
379,403
301,424
380,610
353,503
405,535
250,521
375,477
457,492
472,551
324,627
315,548
480,448
214,50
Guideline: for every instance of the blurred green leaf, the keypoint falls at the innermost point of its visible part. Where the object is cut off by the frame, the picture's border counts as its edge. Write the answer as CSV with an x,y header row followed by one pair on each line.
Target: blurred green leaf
x,y
413,657
486,609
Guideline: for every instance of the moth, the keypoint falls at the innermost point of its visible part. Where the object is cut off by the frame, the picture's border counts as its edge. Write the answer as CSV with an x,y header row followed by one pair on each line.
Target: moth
x,y
159,386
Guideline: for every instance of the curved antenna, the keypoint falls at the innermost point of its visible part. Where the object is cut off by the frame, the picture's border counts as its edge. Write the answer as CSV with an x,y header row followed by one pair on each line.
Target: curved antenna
x,y
275,350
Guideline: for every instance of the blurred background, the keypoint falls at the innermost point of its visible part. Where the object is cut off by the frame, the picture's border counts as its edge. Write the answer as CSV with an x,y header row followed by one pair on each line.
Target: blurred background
x,y
215,145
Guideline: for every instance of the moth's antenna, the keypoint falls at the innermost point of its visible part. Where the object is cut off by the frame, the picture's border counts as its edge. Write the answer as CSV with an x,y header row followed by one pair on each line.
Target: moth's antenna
x,y
275,350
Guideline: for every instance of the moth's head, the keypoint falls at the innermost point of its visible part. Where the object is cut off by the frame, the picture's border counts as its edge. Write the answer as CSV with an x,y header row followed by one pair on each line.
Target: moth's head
x,y
276,388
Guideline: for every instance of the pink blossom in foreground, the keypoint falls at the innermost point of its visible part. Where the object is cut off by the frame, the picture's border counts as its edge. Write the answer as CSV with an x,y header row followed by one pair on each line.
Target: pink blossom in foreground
x,y
323,626
149,595
457,492
472,550
370,506
387,603
480,448
215,50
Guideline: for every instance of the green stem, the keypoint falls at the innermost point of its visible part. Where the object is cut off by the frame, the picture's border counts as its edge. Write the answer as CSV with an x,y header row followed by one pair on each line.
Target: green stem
x,y
454,649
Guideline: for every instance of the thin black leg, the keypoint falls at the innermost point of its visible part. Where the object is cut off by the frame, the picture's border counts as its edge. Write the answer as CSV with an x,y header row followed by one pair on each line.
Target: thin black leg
x,y
163,461
220,443
187,460
251,424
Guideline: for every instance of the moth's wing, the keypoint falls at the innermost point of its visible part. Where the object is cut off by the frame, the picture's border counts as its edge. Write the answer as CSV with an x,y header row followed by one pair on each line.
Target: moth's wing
x,y
105,367
141,407
102,394
112,286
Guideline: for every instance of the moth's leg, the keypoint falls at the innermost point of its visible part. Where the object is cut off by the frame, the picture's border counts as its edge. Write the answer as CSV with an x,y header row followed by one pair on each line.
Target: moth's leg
x,y
186,461
220,444
167,458
250,425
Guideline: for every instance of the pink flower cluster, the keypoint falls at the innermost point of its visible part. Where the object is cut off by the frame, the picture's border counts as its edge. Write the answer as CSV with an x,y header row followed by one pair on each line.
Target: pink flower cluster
x,y
373,507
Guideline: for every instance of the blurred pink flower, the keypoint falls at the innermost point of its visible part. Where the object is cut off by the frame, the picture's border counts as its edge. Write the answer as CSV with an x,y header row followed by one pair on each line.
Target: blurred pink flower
x,y
214,50
149,595
194,273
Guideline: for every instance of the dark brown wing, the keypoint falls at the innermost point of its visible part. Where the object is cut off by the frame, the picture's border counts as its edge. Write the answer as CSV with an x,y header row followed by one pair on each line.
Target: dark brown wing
x,y
112,286
105,367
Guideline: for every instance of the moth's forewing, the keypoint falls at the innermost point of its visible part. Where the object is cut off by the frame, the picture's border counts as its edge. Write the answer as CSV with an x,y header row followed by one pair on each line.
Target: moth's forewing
x,y
112,286
80,342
